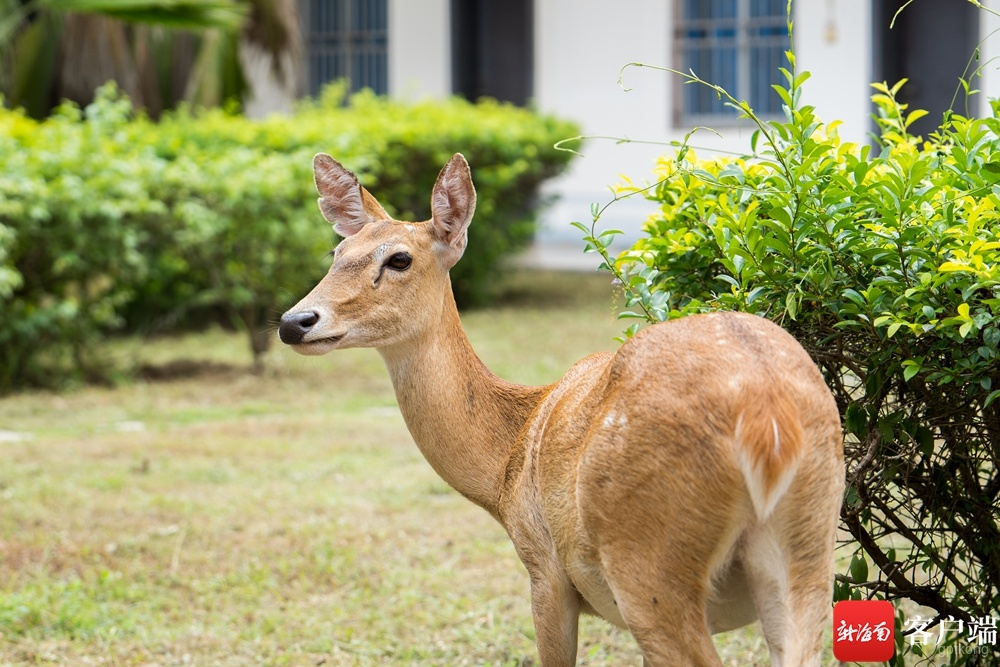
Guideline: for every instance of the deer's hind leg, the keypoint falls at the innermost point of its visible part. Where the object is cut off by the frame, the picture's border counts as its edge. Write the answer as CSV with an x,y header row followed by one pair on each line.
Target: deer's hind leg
x,y
666,617
661,541
789,559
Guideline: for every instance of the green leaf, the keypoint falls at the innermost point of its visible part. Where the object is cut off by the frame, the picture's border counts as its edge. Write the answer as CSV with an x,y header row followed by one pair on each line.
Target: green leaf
x,y
925,441
854,296
783,93
992,397
859,569
991,336
851,497
791,304
755,293
705,176
855,420
914,116
734,171
993,169
608,235
860,171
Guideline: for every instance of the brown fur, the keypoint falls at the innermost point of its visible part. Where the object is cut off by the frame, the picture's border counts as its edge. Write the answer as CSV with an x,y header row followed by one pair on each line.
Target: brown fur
x,y
682,486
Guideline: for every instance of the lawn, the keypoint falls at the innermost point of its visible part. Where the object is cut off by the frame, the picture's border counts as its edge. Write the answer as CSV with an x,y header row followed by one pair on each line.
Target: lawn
x,y
215,517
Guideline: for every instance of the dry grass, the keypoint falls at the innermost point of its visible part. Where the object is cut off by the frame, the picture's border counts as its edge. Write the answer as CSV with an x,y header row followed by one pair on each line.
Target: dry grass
x,y
283,519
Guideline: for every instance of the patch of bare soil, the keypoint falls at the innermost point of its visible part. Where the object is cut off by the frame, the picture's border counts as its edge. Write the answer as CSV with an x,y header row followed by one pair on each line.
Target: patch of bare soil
x,y
186,369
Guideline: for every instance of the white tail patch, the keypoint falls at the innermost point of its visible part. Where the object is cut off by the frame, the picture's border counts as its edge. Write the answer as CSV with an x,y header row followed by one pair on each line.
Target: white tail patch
x,y
768,444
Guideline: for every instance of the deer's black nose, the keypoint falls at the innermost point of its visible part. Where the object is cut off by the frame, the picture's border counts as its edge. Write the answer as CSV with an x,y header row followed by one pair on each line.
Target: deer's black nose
x,y
295,325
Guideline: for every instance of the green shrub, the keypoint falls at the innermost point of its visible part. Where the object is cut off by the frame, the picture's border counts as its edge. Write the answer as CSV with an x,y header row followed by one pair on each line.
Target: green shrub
x,y
884,263
397,150
110,222
73,201
241,234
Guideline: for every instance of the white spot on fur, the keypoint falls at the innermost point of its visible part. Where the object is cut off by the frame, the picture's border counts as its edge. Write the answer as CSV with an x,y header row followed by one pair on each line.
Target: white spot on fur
x,y
777,437
379,253
615,420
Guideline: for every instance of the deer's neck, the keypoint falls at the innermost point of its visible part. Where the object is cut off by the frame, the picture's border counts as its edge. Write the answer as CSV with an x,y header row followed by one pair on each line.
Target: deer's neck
x,y
464,419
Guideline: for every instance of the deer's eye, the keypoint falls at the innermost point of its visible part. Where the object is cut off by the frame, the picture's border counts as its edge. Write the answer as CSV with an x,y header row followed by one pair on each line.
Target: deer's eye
x,y
399,262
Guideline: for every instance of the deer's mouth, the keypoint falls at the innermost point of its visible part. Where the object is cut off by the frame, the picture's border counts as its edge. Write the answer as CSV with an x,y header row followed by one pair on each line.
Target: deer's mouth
x,y
318,346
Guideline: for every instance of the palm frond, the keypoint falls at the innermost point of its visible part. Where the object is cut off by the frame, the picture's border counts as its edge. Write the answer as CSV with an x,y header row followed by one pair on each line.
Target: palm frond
x,y
184,14
216,77
34,68
13,14
275,28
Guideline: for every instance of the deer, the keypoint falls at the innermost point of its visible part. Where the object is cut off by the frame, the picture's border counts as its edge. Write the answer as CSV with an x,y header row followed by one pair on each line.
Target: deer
x,y
685,485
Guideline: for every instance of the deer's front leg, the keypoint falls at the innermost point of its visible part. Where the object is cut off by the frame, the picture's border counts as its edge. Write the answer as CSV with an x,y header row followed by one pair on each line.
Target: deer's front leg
x,y
555,607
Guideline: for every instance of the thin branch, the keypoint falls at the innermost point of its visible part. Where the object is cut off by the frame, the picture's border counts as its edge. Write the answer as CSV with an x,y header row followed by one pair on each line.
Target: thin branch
x,y
922,595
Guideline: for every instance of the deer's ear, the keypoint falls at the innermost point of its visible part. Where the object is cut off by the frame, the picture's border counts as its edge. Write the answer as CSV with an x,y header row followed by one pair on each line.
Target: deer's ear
x,y
342,200
453,202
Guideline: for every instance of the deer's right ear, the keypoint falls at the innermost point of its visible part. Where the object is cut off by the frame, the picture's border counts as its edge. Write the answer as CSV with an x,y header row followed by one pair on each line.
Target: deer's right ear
x,y
342,200
453,203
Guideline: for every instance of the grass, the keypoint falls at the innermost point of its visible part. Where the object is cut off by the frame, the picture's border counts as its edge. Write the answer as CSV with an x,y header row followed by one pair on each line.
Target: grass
x,y
223,518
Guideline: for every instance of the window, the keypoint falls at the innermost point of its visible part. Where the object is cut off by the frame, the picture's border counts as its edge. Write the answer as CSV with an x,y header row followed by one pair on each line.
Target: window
x,y
346,39
736,44
493,49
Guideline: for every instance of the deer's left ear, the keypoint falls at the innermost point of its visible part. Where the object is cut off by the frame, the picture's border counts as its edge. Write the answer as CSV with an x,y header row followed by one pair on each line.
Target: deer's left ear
x,y
342,200
453,202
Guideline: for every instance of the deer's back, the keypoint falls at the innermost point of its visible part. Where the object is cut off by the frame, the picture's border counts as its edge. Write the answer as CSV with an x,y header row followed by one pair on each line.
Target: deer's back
x,y
681,384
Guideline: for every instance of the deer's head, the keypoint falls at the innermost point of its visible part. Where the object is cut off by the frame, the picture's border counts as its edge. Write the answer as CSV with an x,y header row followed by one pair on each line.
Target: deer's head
x,y
388,278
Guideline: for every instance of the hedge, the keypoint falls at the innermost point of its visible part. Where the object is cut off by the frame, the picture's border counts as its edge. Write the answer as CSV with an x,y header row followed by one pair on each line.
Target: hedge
x,y
110,222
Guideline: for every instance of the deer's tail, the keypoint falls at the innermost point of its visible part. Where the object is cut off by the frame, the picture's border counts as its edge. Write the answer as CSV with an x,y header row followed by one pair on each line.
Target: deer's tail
x,y
768,438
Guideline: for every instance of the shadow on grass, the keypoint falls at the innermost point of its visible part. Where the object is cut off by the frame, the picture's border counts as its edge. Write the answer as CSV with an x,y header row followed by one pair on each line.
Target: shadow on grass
x,y
186,369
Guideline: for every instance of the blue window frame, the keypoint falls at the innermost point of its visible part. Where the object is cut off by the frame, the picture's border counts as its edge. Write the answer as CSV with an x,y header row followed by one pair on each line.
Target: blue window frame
x,y
736,44
346,39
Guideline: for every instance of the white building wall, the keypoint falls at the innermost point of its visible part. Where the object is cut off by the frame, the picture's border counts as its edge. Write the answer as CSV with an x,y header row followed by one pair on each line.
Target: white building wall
x,y
581,47
833,42
989,56
419,48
